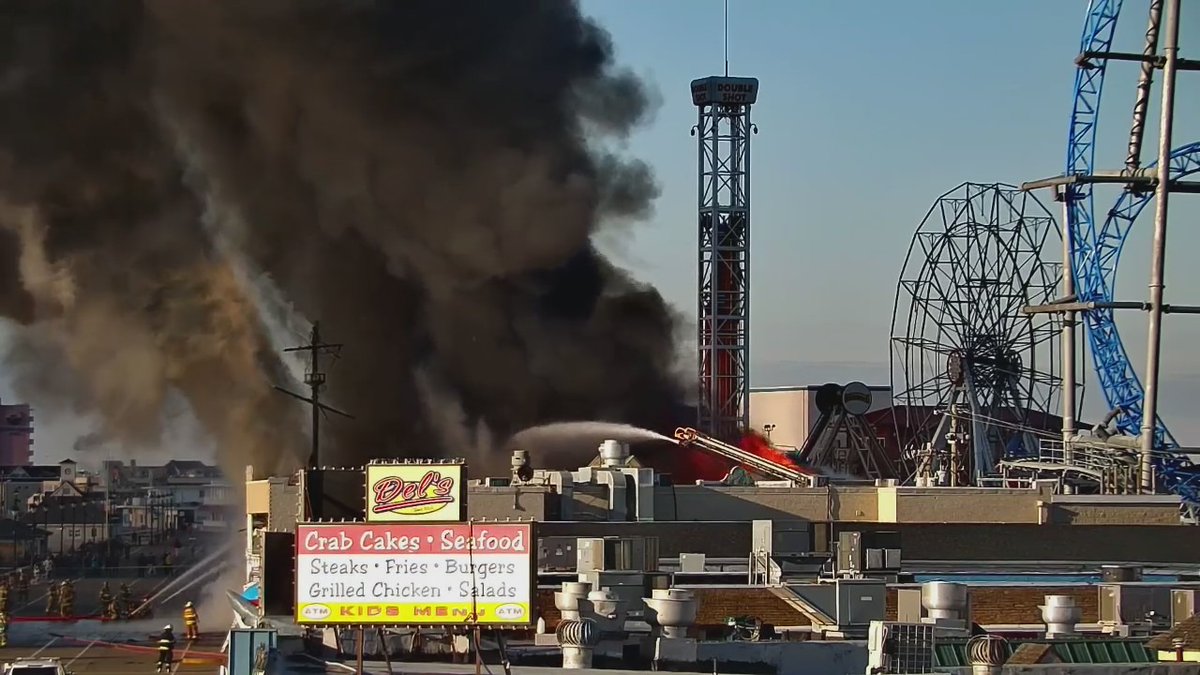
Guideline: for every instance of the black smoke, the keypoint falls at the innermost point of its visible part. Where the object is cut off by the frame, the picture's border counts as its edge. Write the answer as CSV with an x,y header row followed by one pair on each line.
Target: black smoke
x,y
423,177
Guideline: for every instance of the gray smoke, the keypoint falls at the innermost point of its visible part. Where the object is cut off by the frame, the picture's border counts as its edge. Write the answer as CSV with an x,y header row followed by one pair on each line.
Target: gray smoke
x,y
423,177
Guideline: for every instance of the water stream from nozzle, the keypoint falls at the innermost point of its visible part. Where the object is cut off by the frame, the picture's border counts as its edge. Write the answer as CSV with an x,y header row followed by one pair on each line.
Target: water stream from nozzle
x,y
585,431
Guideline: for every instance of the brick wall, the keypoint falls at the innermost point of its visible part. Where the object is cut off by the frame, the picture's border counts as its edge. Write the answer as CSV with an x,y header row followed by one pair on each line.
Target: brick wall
x,y
990,605
1017,605
1005,604
715,605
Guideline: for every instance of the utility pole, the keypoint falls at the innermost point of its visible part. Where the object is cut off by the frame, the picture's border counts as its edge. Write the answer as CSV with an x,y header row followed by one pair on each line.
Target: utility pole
x,y
315,379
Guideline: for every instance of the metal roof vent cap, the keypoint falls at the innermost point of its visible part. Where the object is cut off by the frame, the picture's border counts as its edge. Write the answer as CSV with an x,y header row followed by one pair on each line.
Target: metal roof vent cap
x,y
671,610
944,599
613,453
522,470
1061,614
567,600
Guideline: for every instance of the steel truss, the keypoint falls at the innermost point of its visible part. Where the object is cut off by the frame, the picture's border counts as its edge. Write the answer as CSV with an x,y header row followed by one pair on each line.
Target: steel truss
x,y
723,131
972,374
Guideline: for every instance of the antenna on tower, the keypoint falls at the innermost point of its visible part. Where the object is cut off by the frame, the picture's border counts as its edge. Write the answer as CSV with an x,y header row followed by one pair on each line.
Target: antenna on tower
x,y
726,38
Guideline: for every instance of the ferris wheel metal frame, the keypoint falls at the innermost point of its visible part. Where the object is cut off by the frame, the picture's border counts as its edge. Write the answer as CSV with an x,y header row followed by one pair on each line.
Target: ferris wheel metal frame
x,y
967,363
1096,247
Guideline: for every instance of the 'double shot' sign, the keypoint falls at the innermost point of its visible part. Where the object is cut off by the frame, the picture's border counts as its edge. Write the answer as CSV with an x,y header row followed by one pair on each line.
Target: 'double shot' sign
x,y
725,90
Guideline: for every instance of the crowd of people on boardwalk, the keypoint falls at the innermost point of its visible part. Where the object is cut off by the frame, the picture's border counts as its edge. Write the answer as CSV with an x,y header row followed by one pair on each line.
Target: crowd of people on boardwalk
x,y
98,560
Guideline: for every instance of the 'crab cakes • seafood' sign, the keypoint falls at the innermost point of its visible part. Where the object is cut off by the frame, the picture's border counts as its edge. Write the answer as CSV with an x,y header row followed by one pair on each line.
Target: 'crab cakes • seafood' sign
x,y
416,493
399,574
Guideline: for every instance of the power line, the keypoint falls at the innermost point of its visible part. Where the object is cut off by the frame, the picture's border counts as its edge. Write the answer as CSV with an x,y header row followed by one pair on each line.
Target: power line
x,y
315,379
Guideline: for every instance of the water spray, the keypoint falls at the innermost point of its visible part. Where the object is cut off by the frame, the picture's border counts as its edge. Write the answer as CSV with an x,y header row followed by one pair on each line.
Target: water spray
x,y
189,574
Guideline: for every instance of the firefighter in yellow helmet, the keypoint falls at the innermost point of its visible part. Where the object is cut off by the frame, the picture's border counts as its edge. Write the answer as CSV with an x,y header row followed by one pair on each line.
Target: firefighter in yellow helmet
x,y
66,599
105,598
191,622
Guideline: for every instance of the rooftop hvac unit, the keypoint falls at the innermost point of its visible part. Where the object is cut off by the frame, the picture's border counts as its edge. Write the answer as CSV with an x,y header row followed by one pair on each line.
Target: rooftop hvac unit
x,y
909,608
634,554
1128,603
780,537
557,554
900,647
1183,604
692,563
859,602
868,552
771,543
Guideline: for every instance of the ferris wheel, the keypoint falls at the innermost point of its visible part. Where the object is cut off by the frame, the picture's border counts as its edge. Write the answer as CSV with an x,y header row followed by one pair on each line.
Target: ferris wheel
x,y
974,378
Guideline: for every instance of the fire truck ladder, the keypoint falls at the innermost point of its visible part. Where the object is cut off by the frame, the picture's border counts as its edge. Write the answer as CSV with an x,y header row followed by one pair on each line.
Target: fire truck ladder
x,y
689,437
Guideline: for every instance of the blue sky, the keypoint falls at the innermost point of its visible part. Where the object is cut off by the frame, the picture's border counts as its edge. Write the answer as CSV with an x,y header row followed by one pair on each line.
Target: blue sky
x,y
865,118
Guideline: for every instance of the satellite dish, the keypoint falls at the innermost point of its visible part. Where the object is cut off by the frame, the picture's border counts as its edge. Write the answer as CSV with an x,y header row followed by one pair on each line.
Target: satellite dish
x,y
856,398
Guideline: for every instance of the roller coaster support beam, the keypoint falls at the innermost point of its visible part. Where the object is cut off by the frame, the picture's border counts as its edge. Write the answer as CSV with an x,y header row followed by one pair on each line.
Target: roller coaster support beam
x,y
1159,247
1140,179
1085,59
1072,306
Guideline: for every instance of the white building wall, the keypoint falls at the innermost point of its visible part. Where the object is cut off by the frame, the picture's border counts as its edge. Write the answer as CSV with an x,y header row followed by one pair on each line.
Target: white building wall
x,y
793,411
65,536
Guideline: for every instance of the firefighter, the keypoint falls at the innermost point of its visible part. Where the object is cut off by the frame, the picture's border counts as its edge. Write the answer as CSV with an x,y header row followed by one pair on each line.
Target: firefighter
x,y
66,599
106,595
3,629
126,596
166,649
191,622
22,586
4,597
52,600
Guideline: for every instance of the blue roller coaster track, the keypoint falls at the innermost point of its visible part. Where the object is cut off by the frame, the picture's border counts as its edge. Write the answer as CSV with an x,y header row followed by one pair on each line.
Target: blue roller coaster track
x,y
1096,251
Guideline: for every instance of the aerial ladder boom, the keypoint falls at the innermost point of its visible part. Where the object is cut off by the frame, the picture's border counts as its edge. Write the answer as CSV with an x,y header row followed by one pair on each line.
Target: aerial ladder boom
x,y
689,437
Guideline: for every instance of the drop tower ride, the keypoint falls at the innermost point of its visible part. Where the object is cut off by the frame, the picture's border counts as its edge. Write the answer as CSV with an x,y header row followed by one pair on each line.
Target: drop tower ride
x,y
723,131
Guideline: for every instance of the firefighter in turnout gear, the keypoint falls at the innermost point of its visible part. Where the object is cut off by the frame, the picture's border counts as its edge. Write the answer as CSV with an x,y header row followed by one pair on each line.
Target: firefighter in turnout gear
x,y
3,629
191,622
105,597
108,604
166,649
66,599
4,600
22,586
52,600
126,596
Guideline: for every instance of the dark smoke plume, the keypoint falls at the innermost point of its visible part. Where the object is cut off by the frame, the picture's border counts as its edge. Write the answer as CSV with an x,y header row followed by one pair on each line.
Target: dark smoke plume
x,y
424,177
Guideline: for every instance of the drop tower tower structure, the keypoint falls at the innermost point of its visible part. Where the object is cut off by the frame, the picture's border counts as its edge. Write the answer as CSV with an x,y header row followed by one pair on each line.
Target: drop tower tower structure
x,y
723,130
